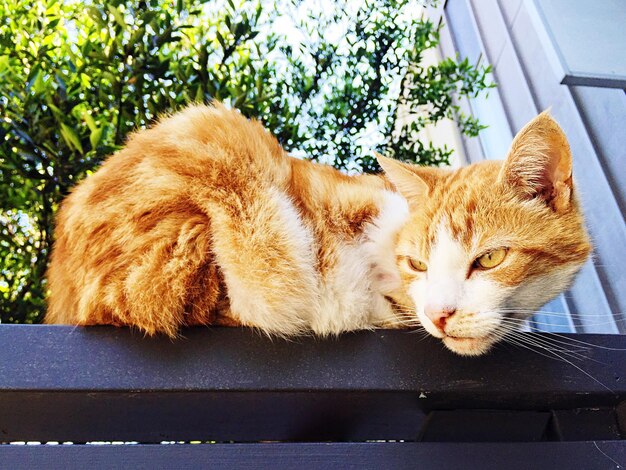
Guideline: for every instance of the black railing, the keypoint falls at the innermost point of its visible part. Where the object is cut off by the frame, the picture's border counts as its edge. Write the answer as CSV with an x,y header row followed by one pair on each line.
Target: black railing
x,y
327,400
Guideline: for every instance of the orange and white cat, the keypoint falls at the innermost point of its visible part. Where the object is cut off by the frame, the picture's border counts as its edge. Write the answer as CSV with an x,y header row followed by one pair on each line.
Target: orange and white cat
x,y
204,219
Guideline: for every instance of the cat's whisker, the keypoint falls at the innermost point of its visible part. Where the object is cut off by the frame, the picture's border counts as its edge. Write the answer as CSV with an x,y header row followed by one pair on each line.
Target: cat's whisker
x,y
566,340
542,342
516,342
532,336
554,340
409,315
550,349
522,309
406,310
539,323
531,319
586,343
577,317
409,320
411,326
557,313
551,344
418,330
557,355
521,323
423,335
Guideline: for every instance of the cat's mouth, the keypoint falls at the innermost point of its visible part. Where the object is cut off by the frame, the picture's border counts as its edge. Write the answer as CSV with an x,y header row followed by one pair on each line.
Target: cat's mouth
x,y
470,346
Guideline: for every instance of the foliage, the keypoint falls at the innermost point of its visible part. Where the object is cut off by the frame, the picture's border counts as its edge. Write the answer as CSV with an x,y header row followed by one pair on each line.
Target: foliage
x,y
77,77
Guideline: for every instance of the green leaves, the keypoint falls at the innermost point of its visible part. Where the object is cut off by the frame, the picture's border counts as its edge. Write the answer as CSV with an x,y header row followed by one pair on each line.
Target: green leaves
x,y
428,94
71,138
95,132
118,15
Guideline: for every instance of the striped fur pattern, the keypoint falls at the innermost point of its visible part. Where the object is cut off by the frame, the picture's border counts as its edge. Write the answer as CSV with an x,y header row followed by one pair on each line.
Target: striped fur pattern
x,y
204,220
525,205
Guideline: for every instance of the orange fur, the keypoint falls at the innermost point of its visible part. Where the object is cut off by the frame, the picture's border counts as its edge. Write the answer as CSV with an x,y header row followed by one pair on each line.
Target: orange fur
x,y
524,204
147,240
204,219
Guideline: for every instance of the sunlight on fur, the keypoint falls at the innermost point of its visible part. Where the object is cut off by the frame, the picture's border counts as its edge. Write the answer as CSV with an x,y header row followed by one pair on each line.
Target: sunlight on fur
x,y
204,220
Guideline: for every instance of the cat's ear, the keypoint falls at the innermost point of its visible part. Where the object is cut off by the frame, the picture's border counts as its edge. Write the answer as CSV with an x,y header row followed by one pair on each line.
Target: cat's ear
x,y
404,177
539,164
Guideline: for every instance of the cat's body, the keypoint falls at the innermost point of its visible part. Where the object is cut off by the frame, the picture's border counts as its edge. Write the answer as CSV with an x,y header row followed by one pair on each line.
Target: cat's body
x,y
204,219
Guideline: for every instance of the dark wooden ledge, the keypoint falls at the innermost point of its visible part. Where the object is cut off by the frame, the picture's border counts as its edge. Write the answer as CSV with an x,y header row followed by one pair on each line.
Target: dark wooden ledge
x,y
225,384
601,455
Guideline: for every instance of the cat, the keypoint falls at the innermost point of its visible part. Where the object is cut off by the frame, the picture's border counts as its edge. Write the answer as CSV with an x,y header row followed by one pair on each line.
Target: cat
x,y
204,219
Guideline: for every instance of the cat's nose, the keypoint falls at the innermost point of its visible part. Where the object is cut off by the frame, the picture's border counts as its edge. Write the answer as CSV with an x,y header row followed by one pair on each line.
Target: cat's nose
x,y
439,315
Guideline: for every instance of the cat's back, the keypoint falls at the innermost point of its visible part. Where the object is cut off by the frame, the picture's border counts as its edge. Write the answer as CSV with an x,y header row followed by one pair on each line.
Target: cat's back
x,y
150,200
198,146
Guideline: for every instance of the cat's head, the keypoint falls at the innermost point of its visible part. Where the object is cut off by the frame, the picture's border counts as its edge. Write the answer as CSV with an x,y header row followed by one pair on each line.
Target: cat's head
x,y
492,242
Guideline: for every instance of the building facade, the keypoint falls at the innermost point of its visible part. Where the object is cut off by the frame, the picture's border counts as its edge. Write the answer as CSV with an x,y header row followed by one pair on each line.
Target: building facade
x,y
570,57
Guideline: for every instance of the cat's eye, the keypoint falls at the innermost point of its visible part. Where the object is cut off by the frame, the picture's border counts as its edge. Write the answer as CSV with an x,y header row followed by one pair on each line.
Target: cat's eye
x,y
491,259
416,265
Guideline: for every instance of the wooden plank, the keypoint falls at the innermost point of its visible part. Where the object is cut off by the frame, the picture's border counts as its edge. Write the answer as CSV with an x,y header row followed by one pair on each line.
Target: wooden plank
x,y
103,383
60,358
153,417
601,455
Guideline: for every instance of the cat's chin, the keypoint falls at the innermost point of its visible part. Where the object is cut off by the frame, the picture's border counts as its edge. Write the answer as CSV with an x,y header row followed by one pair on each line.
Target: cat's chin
x,y
470,346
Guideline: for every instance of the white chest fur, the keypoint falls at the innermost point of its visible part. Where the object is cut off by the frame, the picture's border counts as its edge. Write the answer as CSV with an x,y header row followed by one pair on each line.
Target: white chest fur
x,y
352,295
290,296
